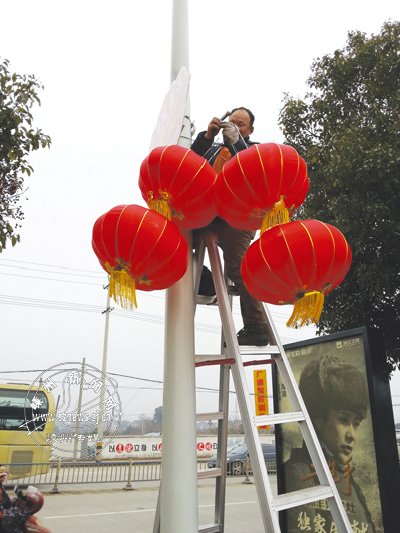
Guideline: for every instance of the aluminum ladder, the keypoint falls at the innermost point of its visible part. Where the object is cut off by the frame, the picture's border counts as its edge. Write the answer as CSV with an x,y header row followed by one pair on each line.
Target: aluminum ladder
x,y
270,504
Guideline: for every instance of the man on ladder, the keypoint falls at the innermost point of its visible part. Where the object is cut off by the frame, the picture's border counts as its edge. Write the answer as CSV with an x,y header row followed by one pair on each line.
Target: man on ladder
x,y
258,330
234,243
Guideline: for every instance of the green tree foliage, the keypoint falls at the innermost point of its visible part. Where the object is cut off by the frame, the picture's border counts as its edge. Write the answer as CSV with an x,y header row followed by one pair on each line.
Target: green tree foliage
x,y
17,138
347,128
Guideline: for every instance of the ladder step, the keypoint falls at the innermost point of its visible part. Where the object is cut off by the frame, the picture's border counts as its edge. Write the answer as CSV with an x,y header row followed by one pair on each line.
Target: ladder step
x,y
209,473
254,351
259,350
216,415
212,359
210,528
302,497
199,357
279,418
256,362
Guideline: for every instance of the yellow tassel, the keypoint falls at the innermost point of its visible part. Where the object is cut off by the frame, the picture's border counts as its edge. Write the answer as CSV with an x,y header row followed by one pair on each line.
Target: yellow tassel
x,y
279,214
122,288
307,310
161,204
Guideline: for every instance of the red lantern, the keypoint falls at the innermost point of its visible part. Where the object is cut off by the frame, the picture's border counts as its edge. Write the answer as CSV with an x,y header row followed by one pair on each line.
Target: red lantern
x,y
298,262
140,249
179,184
261,185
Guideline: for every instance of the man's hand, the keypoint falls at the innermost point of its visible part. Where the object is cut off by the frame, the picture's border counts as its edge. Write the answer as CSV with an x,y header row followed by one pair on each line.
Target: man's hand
x,y
230,132
213,129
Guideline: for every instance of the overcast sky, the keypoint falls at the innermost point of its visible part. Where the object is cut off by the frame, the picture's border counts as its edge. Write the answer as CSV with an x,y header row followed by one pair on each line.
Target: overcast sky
x,y
105,67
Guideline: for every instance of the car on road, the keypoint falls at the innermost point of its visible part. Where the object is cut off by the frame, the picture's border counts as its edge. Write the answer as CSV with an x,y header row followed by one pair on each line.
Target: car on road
x,y
238,456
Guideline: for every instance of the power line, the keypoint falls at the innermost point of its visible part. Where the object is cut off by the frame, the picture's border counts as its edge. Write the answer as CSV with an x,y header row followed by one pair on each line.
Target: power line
x,y
50,279
54,272
89,308
2,260
76,272
279,317
114,374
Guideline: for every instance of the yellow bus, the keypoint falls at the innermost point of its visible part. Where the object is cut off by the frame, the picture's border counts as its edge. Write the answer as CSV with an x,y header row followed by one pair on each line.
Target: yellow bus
x,y
26,425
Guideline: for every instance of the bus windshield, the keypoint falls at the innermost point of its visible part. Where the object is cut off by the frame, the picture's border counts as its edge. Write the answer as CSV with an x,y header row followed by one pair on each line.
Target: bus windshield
x,y
23,409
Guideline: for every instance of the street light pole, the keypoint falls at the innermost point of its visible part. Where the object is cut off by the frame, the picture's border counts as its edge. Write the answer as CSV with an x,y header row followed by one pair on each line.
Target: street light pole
x,y
178,498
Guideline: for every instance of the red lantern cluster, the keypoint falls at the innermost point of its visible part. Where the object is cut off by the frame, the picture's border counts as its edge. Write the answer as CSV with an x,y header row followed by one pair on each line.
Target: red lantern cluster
x,y
260,186
140,249
298,263
179,184
292,262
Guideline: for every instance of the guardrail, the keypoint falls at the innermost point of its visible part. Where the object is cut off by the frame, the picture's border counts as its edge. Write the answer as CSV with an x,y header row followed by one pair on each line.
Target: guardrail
x,y
80,472
65,472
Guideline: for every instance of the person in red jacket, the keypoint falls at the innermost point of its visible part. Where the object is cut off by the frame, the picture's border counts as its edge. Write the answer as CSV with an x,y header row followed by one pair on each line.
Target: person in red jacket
x,y
16,514
234,243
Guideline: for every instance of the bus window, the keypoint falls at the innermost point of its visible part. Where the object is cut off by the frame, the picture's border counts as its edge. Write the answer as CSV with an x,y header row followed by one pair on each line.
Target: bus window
x,y
21,410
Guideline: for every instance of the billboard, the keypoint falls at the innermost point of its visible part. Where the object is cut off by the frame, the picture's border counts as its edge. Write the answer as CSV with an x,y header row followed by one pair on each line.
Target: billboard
x,y
349,404
261,394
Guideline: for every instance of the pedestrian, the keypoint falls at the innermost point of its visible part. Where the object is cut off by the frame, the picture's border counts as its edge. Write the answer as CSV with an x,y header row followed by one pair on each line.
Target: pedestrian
x,y
233,242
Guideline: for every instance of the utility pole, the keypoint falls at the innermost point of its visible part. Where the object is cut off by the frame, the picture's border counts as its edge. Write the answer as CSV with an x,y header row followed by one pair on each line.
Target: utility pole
x,y
78,417
100,425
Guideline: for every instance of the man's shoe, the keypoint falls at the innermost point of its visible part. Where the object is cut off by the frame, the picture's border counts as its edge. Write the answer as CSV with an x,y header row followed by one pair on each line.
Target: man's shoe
x,y
206,287
253,335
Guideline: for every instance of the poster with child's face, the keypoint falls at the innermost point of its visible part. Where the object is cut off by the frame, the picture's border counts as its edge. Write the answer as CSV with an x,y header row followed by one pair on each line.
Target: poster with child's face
x,y
333,383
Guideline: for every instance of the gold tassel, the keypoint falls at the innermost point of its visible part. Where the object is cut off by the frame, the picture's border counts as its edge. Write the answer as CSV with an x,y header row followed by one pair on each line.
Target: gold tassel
x,y
122,288
307,309
161,204
279,214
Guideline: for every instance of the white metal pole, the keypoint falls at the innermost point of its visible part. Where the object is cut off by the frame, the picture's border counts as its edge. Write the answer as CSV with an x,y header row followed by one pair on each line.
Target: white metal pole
x,y
178,498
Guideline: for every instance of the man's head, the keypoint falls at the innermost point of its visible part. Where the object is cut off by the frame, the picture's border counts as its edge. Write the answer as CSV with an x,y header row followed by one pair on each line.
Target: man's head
x,y
243,118
336,397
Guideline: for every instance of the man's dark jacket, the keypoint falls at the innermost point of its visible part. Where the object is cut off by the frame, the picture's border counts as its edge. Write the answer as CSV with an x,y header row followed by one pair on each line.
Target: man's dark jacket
x,y
209,150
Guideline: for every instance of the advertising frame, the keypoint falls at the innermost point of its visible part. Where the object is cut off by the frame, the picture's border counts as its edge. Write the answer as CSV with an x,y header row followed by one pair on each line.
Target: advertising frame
x,y
378,430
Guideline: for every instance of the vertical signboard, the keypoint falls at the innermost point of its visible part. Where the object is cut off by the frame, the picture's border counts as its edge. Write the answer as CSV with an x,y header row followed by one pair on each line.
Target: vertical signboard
x,y
261,394
350,407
